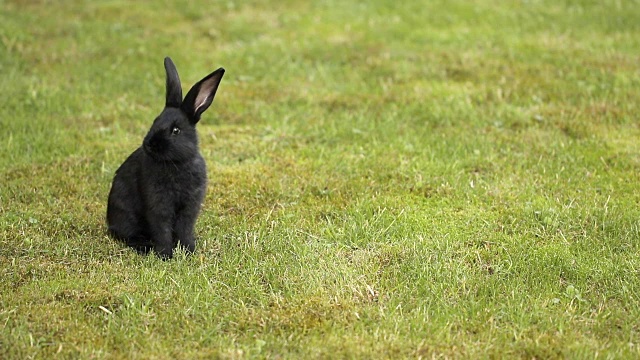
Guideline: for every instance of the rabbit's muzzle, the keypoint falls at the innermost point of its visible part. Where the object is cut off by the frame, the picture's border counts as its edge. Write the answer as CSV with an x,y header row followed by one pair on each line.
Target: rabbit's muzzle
x,y
155,143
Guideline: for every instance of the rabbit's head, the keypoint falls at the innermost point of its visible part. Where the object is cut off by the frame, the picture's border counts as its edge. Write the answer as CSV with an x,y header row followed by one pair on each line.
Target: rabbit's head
x,y
173,134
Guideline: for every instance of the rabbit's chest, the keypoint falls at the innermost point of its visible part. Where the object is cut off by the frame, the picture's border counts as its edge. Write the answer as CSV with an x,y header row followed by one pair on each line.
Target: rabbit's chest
x,y
176,186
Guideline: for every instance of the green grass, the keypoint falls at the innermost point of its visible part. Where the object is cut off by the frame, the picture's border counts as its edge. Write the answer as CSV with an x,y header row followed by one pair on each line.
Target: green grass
x,y
442,179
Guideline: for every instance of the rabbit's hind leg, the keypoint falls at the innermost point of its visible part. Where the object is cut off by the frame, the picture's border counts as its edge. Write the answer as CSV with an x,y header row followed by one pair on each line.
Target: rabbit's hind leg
x,y
127,228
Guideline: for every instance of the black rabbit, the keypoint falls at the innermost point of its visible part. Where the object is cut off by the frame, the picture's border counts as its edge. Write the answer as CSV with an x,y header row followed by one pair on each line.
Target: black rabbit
x,y
157,192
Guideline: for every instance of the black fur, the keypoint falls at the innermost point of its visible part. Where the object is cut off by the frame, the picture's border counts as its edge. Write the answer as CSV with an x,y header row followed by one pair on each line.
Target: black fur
x,y
157,192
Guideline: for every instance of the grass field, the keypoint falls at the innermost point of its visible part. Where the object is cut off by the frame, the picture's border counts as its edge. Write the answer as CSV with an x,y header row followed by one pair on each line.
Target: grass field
x,y
419,179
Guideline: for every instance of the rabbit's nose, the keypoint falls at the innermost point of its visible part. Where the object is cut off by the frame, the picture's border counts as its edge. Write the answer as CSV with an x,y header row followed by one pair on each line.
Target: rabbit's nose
x,y
146,146
155,143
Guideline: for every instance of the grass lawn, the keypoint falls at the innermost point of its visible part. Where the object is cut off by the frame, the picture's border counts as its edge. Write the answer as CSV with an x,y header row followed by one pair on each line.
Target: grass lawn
x,y
419,179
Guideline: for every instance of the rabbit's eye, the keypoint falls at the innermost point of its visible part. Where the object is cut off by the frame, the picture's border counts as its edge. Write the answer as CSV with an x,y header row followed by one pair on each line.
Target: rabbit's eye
x,y
175,130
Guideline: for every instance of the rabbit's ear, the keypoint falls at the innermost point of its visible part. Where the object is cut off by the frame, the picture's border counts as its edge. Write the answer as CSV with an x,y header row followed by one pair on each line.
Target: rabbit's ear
x,y
201,95
174,90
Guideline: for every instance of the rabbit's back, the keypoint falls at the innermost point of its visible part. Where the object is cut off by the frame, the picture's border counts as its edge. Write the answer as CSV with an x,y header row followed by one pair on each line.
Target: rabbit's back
x,y
125,208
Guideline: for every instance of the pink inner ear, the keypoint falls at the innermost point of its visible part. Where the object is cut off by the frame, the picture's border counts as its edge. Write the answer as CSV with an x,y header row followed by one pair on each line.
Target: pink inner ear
x,y
206,88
